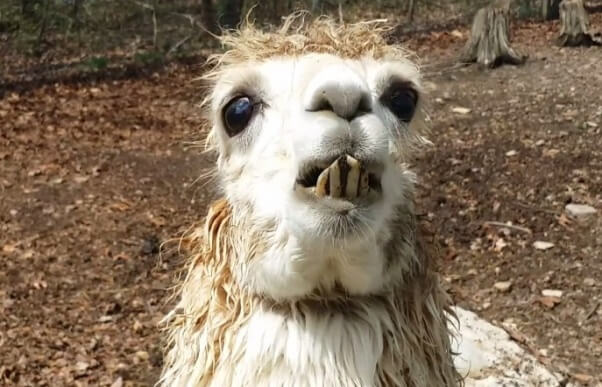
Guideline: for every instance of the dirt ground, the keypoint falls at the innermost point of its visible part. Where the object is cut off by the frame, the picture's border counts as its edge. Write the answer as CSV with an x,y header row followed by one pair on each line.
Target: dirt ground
x,y
98,181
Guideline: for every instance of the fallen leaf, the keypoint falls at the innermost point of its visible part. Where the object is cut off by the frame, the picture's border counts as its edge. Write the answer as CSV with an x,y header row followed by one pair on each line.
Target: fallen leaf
x,y
551,293
8,249
119,206
81,366
503,286
118,382
549,302
500,244
157,221
461,110
583,378
81,179
542,245
457,34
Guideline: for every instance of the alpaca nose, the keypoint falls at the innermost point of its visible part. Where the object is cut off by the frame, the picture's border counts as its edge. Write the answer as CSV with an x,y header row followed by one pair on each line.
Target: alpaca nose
x,y
339,90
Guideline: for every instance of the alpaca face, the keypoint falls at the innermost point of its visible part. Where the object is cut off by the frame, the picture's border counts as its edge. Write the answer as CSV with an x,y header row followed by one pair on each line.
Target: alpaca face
x,y
310,148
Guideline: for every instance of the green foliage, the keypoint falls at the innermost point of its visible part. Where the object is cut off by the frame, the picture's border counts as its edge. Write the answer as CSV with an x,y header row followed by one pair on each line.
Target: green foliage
x,y
97,63
149,58
527,9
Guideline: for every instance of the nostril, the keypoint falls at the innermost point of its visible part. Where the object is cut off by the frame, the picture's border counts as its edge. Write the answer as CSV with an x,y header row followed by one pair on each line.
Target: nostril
x,y
364,107
344,104
321,105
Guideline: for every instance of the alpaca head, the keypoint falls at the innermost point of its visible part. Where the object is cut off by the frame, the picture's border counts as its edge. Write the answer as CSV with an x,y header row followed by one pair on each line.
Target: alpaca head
x,y
312,125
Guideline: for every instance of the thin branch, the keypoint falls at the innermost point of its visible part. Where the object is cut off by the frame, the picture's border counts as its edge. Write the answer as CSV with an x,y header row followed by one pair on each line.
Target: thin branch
x,y
154,26
153,10
529,207
510,226
44,23
590,313
195,23
178,45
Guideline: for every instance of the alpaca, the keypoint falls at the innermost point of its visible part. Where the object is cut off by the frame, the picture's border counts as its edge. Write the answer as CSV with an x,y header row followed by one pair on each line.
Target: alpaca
x,y
312,269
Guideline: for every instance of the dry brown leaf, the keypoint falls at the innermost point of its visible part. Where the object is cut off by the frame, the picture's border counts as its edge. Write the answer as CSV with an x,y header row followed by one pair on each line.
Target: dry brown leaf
x,y
119,206
157,221
548,301
583,378
9,248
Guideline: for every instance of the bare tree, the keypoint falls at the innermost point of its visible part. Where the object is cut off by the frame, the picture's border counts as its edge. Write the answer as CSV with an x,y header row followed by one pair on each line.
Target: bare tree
x,y
411,10
43,25
316,6
230,12
550,9
209,16
27,7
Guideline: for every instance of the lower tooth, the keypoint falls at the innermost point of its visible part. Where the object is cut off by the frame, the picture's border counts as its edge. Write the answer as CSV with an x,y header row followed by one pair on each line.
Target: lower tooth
x,y
335,180
364,184
353,177
322,183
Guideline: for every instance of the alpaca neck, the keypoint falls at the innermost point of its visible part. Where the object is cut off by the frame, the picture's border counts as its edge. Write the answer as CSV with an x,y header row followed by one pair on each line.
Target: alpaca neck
x,y
367,341
220,335
299,345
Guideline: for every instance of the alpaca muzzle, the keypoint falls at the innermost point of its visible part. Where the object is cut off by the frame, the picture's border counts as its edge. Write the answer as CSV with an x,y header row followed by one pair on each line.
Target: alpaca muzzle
x,y
345,178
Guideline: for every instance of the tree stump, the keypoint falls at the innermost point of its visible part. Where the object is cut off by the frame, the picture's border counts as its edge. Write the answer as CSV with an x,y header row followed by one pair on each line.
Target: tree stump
x,y
489,42
574,22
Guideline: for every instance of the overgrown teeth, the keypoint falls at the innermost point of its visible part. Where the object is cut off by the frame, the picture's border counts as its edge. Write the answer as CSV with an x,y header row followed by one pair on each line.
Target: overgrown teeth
x,y
344,178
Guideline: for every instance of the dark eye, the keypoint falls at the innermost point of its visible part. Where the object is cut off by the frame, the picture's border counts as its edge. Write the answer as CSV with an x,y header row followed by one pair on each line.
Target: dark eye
x,y
237,115
402,102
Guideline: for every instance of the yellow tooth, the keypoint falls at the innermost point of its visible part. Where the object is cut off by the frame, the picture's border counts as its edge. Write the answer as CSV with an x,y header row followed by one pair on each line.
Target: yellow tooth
x,y
353,178
335,179
322,183
364,187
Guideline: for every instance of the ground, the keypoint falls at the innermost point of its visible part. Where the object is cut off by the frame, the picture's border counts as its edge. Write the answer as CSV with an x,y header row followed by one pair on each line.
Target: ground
x,y
99,180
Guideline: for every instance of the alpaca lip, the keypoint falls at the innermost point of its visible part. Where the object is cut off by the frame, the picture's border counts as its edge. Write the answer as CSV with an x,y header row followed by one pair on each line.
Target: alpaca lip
x,y
345,178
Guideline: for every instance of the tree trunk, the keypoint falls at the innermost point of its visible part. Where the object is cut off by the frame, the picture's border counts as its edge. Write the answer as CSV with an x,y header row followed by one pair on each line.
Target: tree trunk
x,y
44,23
574,30
230,12
550,9
411,9
316,7
27,7
489,42
209,16
77,4
263,11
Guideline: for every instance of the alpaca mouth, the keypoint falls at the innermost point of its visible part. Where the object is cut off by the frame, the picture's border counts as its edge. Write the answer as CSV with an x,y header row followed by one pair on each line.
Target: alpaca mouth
x,y
345,178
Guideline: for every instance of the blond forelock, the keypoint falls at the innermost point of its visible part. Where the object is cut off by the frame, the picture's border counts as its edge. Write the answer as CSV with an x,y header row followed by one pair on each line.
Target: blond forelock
x,y
299,36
